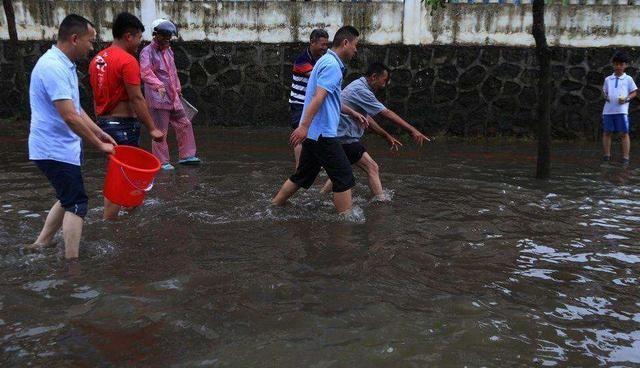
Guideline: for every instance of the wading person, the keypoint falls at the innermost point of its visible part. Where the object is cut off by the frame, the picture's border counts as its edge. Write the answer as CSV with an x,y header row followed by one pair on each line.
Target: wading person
x,y
162,91
115,80
619,89
302,67
318,127
360,96
58,125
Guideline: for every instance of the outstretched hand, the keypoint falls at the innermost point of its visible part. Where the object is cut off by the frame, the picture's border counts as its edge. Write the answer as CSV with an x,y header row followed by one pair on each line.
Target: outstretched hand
x,y
394,144
419,138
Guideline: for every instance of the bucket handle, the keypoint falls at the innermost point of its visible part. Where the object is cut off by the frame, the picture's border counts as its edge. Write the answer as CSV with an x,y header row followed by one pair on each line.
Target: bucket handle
x,y
135,186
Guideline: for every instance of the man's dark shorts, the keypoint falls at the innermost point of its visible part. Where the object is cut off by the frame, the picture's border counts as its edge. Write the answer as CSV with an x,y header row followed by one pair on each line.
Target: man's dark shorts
x,y
125,131
324,153
296,114
66,179
354,151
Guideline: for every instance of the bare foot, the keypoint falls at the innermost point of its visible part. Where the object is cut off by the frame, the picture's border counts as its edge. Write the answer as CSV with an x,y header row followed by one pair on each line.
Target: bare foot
x,y
37,247
381,198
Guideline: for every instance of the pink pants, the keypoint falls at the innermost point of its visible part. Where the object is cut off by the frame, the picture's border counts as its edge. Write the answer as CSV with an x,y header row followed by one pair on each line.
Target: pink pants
x,y
184,134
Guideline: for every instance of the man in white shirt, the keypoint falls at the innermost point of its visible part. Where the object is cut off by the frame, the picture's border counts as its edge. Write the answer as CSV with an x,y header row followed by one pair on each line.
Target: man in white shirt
x,y
619,89
58,126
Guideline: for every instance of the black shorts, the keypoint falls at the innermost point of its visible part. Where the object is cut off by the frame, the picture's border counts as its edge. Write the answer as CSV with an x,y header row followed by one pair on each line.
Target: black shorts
x,y
354,151
66,179
125,131
324,153
296,114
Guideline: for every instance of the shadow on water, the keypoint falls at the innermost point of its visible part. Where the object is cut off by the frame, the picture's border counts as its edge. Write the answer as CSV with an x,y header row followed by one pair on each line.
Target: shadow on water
x,y
473,262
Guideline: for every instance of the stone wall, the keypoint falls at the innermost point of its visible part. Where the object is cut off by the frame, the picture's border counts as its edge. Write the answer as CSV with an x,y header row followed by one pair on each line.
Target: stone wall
x,y
470,91
444,89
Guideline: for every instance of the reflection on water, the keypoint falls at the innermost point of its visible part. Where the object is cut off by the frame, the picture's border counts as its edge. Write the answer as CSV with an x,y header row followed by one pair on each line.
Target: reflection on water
x,y
471,263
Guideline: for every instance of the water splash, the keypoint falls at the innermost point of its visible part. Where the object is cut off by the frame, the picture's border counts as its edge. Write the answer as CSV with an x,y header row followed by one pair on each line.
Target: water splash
x,y
355,215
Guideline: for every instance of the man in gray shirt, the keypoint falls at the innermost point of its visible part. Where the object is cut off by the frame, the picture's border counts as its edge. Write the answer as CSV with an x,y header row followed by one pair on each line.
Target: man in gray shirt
x,y
360,96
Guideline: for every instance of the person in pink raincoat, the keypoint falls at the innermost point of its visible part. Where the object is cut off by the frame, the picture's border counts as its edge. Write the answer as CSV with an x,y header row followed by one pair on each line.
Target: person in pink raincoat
x,y
162,92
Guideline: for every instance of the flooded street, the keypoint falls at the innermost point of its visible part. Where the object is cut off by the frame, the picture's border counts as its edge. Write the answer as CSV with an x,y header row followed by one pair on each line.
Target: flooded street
x,y
472,263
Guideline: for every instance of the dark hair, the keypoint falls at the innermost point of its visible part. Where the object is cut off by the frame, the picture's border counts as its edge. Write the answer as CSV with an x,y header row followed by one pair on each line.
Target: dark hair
x,y
73,24
621,57
376,68
348,33
126,23
318,34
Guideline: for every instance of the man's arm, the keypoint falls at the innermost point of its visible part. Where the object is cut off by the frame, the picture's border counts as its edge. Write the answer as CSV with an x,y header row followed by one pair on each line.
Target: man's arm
x,y
310,112
361,119
102,135
376,128
415,133
140,107
76,122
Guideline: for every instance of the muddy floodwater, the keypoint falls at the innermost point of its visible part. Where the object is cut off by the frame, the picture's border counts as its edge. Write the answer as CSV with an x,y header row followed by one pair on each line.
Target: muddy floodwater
x,y
473,263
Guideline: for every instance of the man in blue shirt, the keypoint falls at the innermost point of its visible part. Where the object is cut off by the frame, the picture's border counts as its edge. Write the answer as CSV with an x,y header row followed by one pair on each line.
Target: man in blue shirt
x,y
360,96
318,127
302,68
58,124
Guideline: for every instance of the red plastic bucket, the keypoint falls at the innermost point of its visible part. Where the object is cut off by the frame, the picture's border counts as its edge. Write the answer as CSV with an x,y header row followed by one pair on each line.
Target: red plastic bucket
x,y
130,174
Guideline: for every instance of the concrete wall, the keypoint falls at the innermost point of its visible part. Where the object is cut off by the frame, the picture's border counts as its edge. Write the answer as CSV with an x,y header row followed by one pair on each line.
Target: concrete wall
x,y
445,89
382,22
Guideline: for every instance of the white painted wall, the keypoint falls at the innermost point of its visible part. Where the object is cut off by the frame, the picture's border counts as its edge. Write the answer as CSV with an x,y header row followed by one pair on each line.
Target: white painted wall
x,y
382,21
493,24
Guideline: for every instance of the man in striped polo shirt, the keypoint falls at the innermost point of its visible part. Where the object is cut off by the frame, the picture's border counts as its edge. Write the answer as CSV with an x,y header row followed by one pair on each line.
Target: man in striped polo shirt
x,y
302,67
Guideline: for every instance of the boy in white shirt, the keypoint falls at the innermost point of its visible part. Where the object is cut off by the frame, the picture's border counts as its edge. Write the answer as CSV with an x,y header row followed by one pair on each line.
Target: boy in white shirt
x,y
619,89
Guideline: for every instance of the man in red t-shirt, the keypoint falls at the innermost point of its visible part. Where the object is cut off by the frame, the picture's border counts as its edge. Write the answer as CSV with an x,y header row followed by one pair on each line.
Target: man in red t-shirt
x,y
115,80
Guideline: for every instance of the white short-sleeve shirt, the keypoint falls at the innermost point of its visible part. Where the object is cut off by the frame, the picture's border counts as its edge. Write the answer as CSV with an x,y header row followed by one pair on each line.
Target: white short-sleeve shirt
x,y
615,87
54,78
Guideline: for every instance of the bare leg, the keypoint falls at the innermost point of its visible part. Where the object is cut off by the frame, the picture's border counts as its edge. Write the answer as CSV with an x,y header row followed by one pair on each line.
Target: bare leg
x,y
368,165
111,210
342,201
51,226
606,143
72,231
288,189
327,187
296,152
626,146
